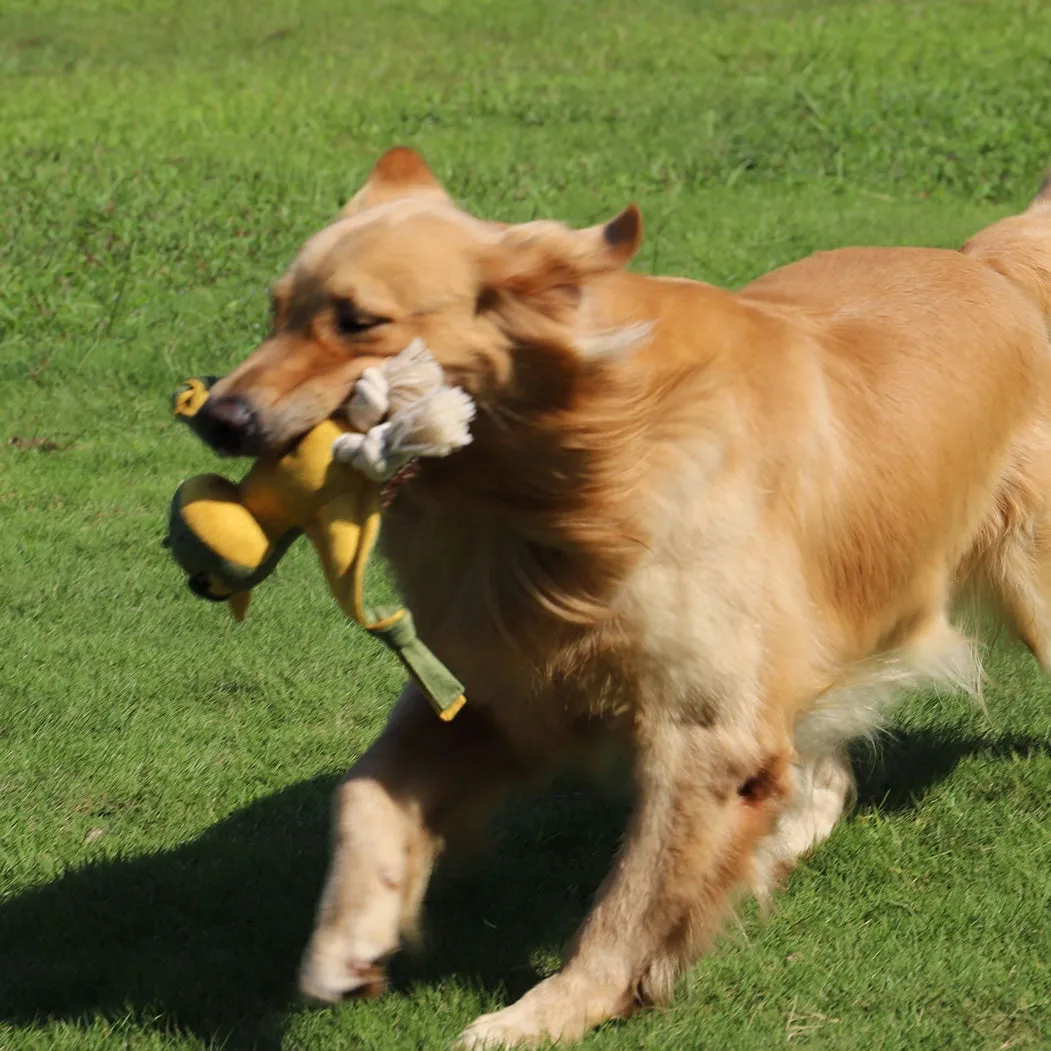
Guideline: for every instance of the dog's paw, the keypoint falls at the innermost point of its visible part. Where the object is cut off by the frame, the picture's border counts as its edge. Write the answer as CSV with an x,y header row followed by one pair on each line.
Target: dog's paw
x,y
354,979
492,1031
558,1010
337,968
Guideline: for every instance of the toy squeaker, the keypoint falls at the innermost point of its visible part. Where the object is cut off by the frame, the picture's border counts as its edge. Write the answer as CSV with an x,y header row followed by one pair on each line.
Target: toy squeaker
x,y
229,537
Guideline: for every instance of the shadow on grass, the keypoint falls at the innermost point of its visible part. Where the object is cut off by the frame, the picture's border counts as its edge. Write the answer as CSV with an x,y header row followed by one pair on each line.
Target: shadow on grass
x,y
206,938
202,938
903,767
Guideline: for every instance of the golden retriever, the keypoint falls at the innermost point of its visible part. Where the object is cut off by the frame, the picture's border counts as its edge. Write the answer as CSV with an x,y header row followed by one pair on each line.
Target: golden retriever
x,y
717,529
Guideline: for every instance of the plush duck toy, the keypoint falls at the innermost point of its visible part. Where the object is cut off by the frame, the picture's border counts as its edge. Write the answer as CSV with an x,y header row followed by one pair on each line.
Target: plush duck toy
x,y
229,537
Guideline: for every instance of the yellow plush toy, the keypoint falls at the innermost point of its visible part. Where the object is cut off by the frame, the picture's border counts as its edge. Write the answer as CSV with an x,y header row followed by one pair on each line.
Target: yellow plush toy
x,y
229,537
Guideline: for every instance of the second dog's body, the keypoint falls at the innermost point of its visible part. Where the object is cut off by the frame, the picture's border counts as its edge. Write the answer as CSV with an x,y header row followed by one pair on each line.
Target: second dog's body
x,y
717,528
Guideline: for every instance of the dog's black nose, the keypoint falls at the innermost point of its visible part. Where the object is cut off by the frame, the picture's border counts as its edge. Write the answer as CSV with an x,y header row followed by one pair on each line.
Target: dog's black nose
x,y
228,425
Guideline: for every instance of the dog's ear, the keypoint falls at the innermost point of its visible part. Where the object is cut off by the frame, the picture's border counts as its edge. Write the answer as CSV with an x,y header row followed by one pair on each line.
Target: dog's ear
x,y
533,281
535,258
400,172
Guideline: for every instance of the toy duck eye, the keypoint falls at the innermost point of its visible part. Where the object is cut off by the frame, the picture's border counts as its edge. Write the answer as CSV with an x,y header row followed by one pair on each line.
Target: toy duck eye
x,y
350,321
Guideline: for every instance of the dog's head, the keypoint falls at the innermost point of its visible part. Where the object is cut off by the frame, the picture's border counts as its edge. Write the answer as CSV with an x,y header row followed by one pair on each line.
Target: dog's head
x,y
503,308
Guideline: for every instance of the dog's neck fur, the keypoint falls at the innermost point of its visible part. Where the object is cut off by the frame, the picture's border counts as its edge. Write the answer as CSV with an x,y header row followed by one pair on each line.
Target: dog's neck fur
x,y
551,499
549,509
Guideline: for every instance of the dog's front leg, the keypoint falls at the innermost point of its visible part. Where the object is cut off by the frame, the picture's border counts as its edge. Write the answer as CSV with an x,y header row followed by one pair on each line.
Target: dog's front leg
x,y
420,778
705,798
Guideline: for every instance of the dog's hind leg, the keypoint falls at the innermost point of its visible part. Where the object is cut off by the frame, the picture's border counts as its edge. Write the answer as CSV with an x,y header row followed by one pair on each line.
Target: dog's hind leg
x,y
855,709
1020,583
420,780
706,796
1011,563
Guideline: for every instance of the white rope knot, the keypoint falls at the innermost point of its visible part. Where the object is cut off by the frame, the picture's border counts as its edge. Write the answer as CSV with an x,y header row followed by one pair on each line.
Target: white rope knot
x,y
404,410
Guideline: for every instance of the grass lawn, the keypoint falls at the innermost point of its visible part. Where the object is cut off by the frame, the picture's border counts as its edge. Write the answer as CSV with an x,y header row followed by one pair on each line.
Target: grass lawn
x,y
165,774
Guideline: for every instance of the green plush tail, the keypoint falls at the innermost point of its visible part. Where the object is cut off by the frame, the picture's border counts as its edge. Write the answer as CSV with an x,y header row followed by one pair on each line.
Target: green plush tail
x,y
443,689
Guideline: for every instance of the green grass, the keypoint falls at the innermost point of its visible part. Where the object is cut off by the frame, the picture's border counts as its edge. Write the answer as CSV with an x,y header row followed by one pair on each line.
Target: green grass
x,y
164,774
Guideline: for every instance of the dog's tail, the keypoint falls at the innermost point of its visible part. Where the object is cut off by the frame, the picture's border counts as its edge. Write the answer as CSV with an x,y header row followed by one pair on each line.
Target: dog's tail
x,y
1019,247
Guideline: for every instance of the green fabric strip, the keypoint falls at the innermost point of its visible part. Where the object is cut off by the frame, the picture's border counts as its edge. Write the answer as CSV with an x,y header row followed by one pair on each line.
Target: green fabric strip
x,y
440,685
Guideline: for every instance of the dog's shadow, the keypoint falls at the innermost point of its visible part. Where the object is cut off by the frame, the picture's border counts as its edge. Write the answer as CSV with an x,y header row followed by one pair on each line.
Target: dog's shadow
x,y
907,764
205,937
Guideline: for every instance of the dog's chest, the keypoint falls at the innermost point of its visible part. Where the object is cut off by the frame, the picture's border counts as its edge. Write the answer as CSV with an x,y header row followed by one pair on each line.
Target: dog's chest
x,y
684,632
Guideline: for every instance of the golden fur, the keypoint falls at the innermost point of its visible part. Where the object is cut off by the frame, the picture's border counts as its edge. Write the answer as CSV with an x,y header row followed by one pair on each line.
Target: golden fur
x,y
719,529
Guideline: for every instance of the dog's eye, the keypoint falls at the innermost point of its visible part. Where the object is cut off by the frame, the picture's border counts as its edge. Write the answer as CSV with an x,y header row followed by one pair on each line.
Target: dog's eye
x,y
350,321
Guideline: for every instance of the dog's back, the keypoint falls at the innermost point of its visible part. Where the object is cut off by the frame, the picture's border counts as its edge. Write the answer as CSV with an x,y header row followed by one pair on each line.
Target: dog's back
x,y
934,373
1019,247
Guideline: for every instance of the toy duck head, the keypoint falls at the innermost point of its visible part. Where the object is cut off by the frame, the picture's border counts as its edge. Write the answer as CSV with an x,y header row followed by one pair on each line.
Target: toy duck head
x,y
228,537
